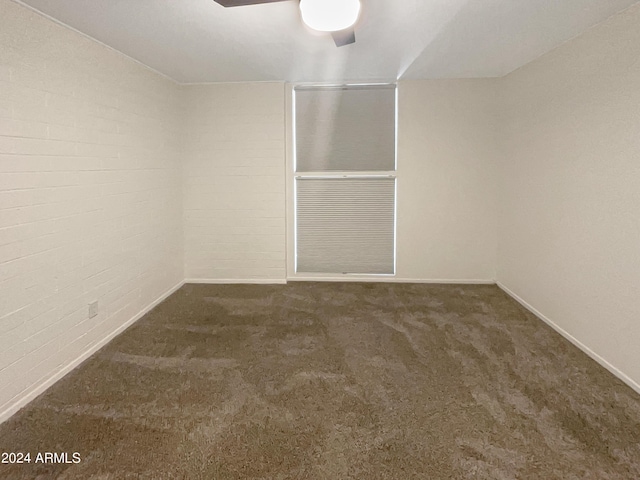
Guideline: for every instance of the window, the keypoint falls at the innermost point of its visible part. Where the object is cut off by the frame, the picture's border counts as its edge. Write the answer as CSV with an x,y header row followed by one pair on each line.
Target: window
x,y
345,179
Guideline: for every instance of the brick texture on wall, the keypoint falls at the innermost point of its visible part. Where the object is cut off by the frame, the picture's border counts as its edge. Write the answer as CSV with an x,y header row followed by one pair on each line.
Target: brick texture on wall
x,y
234,182
90,195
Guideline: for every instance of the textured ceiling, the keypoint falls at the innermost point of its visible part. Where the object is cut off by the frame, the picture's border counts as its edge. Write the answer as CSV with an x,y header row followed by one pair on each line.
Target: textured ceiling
x,y
196,41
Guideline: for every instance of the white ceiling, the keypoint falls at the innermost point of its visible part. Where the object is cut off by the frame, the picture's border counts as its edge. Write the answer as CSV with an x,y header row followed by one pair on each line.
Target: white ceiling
x,y
195,41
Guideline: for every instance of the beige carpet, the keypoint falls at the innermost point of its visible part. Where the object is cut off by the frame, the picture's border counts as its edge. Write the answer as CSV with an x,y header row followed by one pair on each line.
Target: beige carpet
x,y
334,381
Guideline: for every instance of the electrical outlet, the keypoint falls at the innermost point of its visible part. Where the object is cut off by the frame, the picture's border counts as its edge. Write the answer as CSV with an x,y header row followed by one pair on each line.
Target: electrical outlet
x,y
93,309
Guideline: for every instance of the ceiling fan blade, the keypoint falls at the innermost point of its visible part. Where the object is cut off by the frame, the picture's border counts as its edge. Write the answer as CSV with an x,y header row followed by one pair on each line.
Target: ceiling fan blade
x,y
241,3
344,37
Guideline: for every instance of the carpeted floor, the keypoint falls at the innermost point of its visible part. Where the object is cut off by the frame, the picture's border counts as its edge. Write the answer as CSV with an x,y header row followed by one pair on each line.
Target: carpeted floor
x,y
334,381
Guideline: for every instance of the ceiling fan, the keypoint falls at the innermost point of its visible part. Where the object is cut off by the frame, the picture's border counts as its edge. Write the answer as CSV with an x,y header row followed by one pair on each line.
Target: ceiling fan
x,y
336,17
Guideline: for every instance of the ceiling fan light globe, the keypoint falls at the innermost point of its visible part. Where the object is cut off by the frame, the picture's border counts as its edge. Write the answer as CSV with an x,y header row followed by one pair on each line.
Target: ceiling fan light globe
x,y
329,15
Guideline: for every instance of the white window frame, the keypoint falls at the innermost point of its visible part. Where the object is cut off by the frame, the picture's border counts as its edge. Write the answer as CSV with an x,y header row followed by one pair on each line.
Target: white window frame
x,y
292,175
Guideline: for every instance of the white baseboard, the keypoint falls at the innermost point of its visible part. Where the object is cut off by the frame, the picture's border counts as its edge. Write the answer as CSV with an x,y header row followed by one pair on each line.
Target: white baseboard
x,y
346,278
39,388
390,279
237,281
621,375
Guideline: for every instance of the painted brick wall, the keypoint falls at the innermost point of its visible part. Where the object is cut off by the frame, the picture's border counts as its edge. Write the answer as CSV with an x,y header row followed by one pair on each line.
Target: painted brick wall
x,y
90,195
234,182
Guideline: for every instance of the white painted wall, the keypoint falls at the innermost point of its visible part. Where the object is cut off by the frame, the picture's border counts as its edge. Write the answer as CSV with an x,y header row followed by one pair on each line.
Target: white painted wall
x,y
234,187
446,212
90,196
570,207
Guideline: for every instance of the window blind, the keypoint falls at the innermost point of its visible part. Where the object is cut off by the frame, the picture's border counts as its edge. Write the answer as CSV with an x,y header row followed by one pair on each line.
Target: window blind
x,y
345,128
345,225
